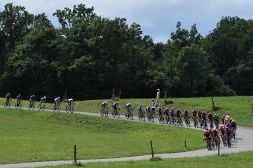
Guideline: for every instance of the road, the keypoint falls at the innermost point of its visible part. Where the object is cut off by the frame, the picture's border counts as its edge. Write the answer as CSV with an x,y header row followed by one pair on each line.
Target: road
x,y
242,143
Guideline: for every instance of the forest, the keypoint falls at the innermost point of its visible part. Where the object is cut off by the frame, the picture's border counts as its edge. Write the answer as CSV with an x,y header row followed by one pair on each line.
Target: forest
x,y
88,56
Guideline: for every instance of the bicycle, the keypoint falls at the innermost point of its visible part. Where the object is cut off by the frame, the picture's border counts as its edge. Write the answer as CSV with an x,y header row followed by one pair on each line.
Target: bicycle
x,y
129,114
187,121
141,115
195,122
42,106
179,121
150,117
104,111
7,104
70,108
160,118
31,105
57,107
116,113
18,104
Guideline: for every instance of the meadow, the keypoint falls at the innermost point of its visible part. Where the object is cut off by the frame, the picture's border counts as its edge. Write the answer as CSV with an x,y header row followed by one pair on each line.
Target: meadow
x,y
29,135
239,107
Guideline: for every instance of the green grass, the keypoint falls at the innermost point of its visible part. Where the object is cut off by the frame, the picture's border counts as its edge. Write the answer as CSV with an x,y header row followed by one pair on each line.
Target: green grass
x,y
238,107
39,136
240,160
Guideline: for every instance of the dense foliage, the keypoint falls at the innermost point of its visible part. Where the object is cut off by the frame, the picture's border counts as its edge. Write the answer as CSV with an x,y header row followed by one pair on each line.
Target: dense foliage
x,y
89,56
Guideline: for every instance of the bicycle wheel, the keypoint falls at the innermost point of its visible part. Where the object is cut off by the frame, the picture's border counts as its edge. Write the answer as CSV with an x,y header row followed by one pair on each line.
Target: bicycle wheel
x,y
102,112
127,115
72,109
106,113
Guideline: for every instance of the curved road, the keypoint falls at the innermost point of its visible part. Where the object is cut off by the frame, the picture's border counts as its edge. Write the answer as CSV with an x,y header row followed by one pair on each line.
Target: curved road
x,y
242,143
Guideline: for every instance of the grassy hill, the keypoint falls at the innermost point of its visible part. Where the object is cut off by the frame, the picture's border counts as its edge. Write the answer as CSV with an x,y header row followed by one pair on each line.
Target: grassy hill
x,y
240,160
238,107
39,136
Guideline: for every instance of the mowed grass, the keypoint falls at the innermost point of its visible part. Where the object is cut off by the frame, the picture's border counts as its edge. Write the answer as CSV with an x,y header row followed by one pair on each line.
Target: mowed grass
x,y
240,160
238,107
28,136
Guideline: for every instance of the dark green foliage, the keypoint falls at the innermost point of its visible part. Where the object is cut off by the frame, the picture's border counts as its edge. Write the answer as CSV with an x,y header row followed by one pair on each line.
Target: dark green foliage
x,y
89,56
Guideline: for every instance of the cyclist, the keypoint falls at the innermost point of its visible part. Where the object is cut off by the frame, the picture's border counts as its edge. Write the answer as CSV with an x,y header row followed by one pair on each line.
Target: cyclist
x,y
208,137
234,126
200,118
223,119
172,116
104,109
229,132
7,100
216,120
70,105
210,119
204,120
18,101
42,104
57,103
179,119
116,109
153,106
216,137
195,118
187,118
128,113
160,114
141,113
222,130
31,101
150,114
166,114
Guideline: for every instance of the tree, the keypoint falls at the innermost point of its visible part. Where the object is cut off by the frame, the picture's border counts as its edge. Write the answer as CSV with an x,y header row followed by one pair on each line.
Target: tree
x,y
29,65
15,23
193,68
228,43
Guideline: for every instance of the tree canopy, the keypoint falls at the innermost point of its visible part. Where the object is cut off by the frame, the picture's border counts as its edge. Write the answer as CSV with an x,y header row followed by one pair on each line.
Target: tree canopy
x,y
88,56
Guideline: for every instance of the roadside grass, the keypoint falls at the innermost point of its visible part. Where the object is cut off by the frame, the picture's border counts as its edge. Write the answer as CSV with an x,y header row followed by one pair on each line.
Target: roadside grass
x,y
239,160
28,136
238,107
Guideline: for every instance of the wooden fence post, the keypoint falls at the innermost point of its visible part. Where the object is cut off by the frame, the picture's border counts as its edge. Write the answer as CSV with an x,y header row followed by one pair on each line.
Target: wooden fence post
x,y
152,150
75,154
252,110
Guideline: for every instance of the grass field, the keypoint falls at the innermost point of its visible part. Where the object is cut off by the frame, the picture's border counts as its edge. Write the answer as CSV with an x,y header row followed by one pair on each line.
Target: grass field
x,y
240,160
238,107
39,136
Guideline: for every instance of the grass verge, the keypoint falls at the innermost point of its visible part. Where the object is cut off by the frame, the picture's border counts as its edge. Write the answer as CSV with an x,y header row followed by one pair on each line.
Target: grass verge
x,y
240,160
28,136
